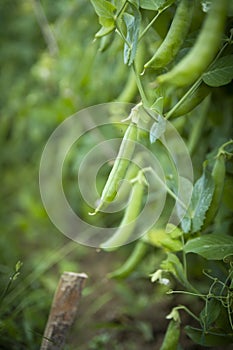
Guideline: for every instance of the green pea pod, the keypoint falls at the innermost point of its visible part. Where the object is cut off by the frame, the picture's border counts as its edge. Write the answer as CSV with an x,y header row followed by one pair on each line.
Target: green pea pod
x,y
131,173
119,168
218,174
195,63
175,36
172,336
192,101
129,220
132,262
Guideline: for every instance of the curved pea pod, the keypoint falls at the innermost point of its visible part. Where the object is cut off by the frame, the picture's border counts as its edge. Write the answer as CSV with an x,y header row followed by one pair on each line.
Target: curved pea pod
x,y
132,262
128,223
192,101
119,168
175,36
201,55
172,336
218,174
131,173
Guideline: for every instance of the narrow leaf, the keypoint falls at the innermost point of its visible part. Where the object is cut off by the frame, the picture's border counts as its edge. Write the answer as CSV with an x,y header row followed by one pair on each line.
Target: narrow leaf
x,y
133,26
212,247
202,195
220,73
201,199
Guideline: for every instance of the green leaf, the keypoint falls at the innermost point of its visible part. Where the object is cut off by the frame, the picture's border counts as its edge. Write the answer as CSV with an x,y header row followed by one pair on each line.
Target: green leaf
x,y
106,12
155,5
133,26
210,312
211,338
214,246
157,129
201,199
220,73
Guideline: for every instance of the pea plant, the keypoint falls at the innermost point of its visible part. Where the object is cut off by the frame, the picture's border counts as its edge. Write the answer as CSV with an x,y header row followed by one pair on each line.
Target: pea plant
x,y
179,54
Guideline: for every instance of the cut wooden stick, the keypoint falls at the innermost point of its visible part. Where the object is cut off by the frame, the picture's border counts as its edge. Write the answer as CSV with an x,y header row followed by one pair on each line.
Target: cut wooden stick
x,y
63,310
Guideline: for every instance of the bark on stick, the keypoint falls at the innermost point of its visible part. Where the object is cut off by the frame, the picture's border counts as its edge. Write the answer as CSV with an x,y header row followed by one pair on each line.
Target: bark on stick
x,y
63,310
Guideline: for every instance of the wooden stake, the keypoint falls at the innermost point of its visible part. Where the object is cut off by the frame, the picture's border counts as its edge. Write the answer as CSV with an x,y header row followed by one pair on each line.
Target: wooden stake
x,y
63,310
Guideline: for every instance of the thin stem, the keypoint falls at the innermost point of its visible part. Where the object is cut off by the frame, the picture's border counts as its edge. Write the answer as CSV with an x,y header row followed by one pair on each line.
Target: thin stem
x,y
189,92
182,307
151,23
196,294
140,87
184,257
169,191
119,31
121,9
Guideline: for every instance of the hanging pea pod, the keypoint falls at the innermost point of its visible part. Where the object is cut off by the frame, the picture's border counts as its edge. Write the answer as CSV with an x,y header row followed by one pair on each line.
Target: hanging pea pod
x,y
132,262
175,36
172,335
119,168
201,55
128,223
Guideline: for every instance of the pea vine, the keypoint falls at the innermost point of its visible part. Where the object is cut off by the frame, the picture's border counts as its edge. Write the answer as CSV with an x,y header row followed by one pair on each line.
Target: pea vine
x,y
177,81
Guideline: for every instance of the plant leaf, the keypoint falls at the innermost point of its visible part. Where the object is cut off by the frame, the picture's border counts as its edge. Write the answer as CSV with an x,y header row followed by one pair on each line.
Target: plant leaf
x,y
210,338
220,73
157,129
133,25
210,312
155,5
105,11
201,199
212,247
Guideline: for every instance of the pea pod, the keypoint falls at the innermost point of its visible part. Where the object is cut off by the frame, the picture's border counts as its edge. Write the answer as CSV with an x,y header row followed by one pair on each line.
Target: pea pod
x,y
129,220
132,262
119,168
175,36
218,174
131,173
172,335
195,63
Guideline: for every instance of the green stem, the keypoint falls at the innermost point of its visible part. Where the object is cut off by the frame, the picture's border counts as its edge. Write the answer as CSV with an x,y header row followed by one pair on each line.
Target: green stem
x,y
179,103
151,22
149,25
123,7
140,87
182,307
198,127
